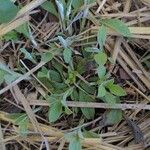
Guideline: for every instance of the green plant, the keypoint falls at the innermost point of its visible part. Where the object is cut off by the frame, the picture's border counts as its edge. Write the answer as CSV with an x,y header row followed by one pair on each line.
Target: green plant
x,y
107,90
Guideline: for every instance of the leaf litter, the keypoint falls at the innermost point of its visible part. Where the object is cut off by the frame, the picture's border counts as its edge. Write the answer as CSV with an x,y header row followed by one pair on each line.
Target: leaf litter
x,y
91,61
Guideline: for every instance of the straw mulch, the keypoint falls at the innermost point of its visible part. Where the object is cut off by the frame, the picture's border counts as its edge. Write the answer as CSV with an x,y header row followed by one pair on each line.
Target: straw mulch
x,y
131,63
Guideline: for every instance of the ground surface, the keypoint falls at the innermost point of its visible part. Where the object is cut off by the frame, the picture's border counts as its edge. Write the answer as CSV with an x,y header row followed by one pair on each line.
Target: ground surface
x,y
74,74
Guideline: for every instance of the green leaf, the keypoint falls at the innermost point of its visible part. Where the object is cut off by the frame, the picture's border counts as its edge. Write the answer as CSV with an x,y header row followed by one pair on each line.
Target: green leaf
x,y
15,116
92,49
109,83
55,111
23,127
117,90
75,143
63,101
81,66
46,57
23,29
27,55
61,9
101,91
50,7
67,54
101,70
87,112
7,11
71,77
77,3
11,36
9,78
7,74
65,95
101,58
22,121
44,73
110,98
118,26
54,76
113,117
101,37
75,95
87,88
2,74
90,134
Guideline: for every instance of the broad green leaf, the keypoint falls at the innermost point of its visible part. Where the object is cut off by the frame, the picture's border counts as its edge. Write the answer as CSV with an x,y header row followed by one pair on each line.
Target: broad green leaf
x,y
54,76
87,88
11,36
46,57
101,70
53,98
113,117
44,73
67,54
74,139
57,66
117,90
101,37
55,111
109,83
75,143
27,55
50,7
59,87
22,121
75,95
101,91
7,11
118,26
88,112
81,66
110,98
23,29
101,58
